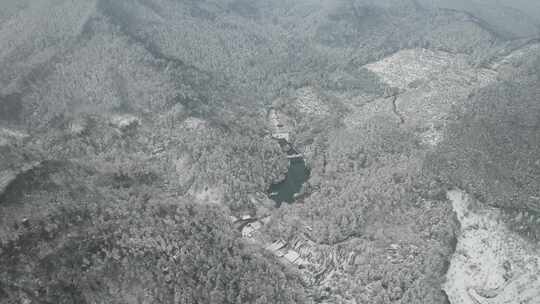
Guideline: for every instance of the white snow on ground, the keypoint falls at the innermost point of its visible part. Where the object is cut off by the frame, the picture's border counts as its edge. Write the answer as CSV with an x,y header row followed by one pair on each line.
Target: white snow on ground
x,y
124,121
6,177
309,102
8,136
210,195
432,136
516,56
408,66
491,265
430,84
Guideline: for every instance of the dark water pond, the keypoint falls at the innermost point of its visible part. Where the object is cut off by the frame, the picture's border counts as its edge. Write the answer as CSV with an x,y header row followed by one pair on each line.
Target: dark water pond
x,y
289,189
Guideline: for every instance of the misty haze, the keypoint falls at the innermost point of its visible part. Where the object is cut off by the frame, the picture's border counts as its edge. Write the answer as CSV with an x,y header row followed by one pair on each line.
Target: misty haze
x,y
270,151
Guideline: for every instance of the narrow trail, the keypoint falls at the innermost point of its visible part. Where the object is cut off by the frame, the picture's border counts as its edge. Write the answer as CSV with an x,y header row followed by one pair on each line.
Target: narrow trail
x,y
395,109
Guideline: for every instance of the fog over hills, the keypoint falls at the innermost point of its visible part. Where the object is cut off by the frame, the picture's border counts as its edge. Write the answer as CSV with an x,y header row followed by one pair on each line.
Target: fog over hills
x,y
514,18
249,151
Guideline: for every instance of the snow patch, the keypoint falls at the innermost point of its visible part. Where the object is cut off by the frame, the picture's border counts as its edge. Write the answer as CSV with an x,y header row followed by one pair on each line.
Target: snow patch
x,y
194,123
8,136
407,67
309,102
209,195
124,122
432,137
491,264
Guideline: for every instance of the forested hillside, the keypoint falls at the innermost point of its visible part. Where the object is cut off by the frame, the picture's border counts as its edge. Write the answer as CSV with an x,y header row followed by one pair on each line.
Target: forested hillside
x,y
492,149
138,140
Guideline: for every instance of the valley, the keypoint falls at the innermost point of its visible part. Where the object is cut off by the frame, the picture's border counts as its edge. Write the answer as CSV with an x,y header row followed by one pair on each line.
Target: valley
x,y
245,151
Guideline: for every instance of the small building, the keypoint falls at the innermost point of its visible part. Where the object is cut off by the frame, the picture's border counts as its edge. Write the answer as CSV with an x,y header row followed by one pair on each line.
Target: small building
x,y
277,245
124,122
292,256
246,217
394,247
295,156
250,228
247,231
282,135
280,253
256,225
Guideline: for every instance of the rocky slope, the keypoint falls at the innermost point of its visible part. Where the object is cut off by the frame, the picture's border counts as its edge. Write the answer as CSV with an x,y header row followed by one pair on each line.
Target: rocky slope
x,y
491,264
